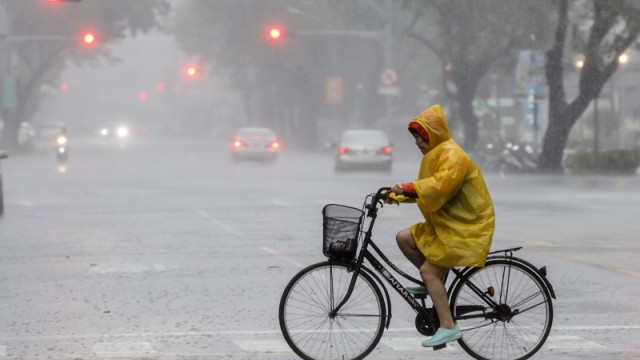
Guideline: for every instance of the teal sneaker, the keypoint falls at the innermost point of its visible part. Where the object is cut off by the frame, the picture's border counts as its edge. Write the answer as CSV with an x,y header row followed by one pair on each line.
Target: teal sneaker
x,y
443,336
417,290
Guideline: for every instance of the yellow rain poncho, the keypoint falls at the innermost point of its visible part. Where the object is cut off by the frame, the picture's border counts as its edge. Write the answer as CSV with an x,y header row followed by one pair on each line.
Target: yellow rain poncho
x,y
453,198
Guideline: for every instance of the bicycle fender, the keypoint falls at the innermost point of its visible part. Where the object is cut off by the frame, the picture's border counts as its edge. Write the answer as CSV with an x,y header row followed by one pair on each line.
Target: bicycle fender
x,y
541,273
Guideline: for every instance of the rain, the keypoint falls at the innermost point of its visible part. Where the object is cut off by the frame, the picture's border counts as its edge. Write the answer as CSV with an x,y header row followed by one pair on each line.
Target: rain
x,y
165,164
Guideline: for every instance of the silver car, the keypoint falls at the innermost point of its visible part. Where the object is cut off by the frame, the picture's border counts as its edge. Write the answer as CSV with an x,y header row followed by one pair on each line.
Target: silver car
x,y
255,143
364,149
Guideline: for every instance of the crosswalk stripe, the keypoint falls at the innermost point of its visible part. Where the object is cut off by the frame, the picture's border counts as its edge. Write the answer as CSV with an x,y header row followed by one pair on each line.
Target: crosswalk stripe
x,y
123,348
570,342
262,345
410,344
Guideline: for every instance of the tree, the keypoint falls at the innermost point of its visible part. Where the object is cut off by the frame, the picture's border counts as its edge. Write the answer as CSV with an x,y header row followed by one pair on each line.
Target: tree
x,y
281,83
615,26
470,37
42,34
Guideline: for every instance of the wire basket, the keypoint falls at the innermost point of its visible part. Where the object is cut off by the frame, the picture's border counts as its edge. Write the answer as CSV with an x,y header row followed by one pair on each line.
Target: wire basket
x,y
340,231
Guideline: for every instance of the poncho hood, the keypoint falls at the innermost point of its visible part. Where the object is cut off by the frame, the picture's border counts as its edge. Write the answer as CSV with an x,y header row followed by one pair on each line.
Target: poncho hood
x,y
432,125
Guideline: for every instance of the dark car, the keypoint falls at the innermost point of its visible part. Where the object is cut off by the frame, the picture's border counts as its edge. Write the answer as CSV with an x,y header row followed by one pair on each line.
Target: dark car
x,y
255,143
364,149
3,155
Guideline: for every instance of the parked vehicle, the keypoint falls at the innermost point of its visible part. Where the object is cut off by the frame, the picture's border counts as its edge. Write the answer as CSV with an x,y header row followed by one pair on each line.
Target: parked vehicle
x,y
3,155
513,158
364,149
253,143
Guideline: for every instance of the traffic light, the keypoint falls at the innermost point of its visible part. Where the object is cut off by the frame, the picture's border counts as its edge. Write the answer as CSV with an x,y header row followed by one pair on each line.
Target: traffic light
x,y
275,34
89,38
192,71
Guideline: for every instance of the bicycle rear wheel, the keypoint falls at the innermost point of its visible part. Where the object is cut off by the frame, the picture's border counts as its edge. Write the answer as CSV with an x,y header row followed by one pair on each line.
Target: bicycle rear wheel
x,y
308,325
518,326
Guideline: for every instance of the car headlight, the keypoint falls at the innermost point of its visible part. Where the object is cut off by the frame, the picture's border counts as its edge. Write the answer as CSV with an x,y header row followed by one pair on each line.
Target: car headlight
x,y
122,131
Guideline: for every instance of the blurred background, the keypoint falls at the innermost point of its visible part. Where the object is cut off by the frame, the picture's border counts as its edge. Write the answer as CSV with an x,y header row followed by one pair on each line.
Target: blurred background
x,y
308,69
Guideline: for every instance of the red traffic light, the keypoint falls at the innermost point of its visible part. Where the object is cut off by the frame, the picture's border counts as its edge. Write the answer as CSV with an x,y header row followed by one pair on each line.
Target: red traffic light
x,y
191,71
275,33
89,38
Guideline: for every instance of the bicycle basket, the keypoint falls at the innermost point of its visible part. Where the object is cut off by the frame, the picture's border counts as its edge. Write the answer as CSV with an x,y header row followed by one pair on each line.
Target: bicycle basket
x,y
340,231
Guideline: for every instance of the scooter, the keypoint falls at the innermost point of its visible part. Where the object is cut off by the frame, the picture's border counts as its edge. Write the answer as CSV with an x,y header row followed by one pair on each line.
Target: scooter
x,y
62,153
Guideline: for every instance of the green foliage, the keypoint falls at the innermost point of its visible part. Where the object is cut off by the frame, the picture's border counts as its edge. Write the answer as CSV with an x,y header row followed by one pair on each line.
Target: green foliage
x,y
604,162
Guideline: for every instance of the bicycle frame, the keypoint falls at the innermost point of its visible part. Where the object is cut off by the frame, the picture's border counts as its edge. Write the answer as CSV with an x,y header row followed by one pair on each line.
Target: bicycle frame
x,y
460,274
378,266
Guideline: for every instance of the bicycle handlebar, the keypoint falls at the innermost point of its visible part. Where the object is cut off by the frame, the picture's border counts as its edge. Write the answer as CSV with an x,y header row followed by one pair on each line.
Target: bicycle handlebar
x,y
382,195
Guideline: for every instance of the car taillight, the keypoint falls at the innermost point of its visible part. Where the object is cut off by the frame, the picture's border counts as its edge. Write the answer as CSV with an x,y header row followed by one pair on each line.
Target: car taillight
x,y
343,150
387,150
238,144
274,145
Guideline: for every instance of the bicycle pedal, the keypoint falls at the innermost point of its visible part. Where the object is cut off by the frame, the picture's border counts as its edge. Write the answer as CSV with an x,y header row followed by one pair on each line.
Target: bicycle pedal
x,y
439,347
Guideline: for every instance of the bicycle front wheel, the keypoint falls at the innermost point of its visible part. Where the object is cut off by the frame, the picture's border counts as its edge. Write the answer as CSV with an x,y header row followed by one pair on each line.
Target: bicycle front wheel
x,y
306,318
518,326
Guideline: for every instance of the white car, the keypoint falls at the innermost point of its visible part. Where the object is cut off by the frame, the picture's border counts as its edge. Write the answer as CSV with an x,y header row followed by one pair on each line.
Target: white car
x,y
255,143
364,149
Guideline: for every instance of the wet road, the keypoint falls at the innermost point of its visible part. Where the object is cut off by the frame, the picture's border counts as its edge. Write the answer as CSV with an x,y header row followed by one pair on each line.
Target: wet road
x,y
165,249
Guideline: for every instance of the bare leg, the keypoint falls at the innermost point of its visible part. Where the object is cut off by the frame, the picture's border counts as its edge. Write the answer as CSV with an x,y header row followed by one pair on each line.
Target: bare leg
x,y
408,247
432,277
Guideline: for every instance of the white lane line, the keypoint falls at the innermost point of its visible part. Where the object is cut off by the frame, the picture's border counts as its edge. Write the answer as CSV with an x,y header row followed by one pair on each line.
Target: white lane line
x,y
130,269
571,342
217,222
3,350
280,255
138,348
254,333
263,346
410,344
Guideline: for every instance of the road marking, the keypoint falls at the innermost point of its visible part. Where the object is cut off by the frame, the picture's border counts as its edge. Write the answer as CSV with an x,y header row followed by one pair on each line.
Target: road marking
x,y
217,222
571,342
259,332
280,255
138,348
127,269
3,350
263,346
411,344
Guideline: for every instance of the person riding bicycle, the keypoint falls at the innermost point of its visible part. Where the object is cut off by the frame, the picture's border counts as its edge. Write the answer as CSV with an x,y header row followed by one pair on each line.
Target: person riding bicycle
x,y
451,193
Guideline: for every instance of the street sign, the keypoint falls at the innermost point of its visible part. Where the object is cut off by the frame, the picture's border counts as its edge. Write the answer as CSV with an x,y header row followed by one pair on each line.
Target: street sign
x,y
388,81
388,77
334,90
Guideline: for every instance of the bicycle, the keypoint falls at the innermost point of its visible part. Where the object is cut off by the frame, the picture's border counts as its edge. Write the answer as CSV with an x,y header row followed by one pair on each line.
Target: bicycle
x,y
339,308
